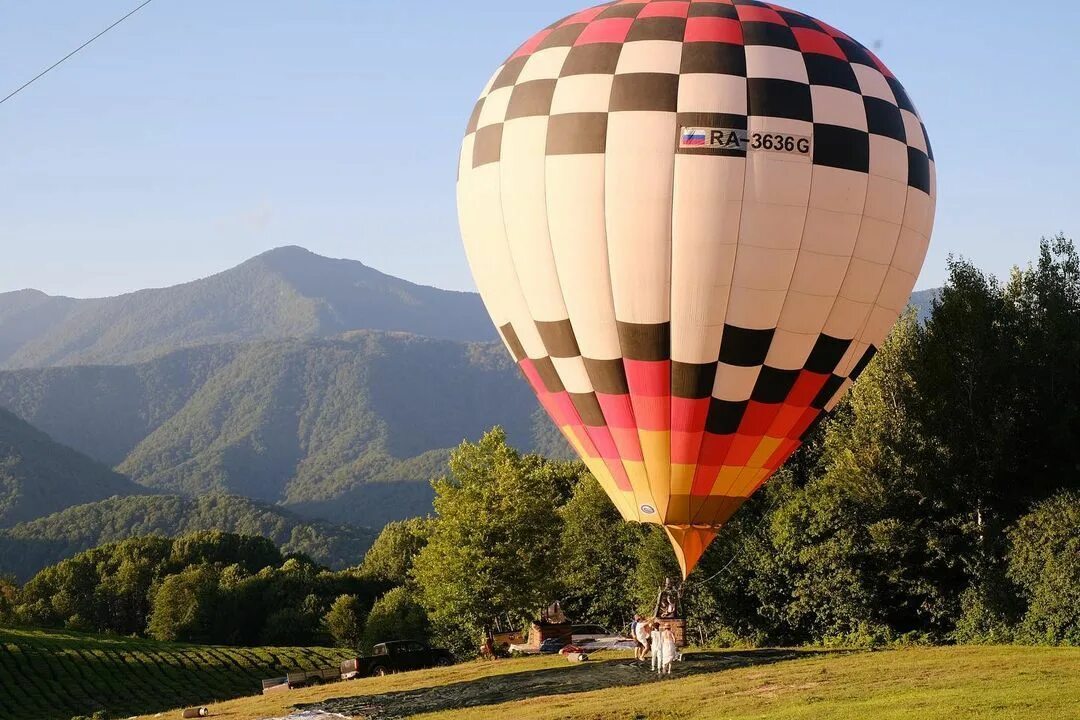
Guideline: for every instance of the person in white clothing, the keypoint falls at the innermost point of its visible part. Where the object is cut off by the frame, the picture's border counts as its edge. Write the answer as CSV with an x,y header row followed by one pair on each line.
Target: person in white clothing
x,y
668,650
655,644
641,634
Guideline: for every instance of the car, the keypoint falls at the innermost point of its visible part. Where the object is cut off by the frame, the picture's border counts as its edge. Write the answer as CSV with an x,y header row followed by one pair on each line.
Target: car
x,y
609,642
396,656
587,633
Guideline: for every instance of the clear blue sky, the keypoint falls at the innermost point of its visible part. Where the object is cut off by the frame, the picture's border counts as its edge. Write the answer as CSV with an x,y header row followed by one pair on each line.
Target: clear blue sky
x,y
202,132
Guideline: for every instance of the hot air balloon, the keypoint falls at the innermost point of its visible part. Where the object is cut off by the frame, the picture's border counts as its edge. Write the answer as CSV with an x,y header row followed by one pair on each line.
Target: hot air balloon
x,y
692,223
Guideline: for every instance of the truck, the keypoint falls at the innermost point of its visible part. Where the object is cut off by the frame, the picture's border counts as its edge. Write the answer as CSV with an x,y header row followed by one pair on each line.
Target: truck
x,y
395,656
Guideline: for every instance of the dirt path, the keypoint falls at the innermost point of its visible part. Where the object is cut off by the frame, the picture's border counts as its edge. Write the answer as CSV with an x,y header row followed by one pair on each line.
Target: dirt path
x,y
593,675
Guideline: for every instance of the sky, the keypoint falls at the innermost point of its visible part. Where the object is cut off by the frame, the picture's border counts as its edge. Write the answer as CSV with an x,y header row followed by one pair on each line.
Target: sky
x,y
200,133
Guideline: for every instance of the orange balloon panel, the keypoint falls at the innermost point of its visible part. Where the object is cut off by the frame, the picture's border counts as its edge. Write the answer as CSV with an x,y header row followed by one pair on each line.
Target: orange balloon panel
x,y
692,223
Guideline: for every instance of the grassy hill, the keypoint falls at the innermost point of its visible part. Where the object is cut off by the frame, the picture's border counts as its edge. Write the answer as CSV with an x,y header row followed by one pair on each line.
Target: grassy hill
x,y
54,675
38,476
906,684
287,292
30,546
349,429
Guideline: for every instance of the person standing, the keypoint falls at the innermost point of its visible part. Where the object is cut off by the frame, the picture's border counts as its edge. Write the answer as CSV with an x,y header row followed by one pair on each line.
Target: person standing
x,y
641,635
655,641
669,650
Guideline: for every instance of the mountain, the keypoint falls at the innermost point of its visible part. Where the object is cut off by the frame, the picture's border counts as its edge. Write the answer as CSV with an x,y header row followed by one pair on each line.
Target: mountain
x,y
349,429
923,300
284,293
38,476
256,382
105,411
30,546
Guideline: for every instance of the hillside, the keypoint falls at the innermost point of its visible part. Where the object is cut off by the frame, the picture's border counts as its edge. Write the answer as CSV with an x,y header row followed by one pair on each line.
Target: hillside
x,y
105,411
923,300
30,546
39,476
1014,683
284,293
53,675
332,426
349,429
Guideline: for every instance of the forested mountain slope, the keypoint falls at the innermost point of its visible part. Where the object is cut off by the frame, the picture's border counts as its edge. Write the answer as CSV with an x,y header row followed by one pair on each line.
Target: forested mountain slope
x,y
284,293
38,476
350,429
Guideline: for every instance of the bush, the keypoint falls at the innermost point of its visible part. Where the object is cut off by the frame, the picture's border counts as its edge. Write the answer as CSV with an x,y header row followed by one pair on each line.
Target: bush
x,y
1044,560
987,614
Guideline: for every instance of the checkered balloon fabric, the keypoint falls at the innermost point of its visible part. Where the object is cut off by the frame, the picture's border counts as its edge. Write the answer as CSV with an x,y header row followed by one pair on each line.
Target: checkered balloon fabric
x,y
692,223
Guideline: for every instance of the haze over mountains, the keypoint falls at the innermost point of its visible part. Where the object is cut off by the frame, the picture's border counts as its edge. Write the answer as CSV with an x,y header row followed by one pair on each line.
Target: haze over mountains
x,y
349,428
284,293
39,476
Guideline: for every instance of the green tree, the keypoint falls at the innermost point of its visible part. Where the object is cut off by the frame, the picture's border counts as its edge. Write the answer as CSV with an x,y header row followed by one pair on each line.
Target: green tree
x,y
597,556
345,621
1044,561
493,549
397,615
9,593
391,556
184,605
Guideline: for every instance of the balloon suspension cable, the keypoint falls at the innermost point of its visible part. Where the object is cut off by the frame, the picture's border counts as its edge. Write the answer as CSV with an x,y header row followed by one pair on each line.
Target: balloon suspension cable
x,y
734,556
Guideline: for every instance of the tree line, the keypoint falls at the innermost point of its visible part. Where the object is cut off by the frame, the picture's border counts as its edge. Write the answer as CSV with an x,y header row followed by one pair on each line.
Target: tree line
x,y
939,503
204,587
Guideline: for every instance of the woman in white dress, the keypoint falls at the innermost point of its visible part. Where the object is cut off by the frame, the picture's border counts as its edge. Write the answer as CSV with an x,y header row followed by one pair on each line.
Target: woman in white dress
x,y
655,643
668,650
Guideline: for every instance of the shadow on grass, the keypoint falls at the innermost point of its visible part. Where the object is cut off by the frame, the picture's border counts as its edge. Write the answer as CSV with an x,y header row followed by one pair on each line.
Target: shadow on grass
x,y
495,689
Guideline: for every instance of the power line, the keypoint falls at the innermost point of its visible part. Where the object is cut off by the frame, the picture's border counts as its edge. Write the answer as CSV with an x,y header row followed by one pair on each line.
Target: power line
x,y
56,64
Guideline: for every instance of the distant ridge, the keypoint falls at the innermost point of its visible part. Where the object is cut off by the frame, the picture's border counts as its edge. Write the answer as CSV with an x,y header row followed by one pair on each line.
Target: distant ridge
x,y
350,429
288,292
39,476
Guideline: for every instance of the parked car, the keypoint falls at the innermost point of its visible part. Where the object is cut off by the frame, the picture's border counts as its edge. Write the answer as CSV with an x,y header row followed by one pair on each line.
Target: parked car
x,y
396,656
587,633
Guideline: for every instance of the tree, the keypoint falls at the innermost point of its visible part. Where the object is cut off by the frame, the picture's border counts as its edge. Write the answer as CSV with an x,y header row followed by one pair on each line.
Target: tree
x,y
597,556
345,621
183,607
391,556
493,548
396,616
9,593
1044,561
215,547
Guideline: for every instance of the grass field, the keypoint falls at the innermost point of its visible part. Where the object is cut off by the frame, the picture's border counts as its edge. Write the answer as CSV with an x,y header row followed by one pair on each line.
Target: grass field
x,y
952,683
47,675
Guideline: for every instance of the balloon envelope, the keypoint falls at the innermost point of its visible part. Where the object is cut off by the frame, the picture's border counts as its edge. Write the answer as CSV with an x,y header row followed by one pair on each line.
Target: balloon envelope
x,y
692,224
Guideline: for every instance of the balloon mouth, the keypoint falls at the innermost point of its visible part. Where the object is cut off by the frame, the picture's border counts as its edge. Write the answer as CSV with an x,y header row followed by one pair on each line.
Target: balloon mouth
x,y
690,543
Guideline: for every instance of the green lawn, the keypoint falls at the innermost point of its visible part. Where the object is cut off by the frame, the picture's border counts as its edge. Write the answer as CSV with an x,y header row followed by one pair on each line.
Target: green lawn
x,y
47,675
952,683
